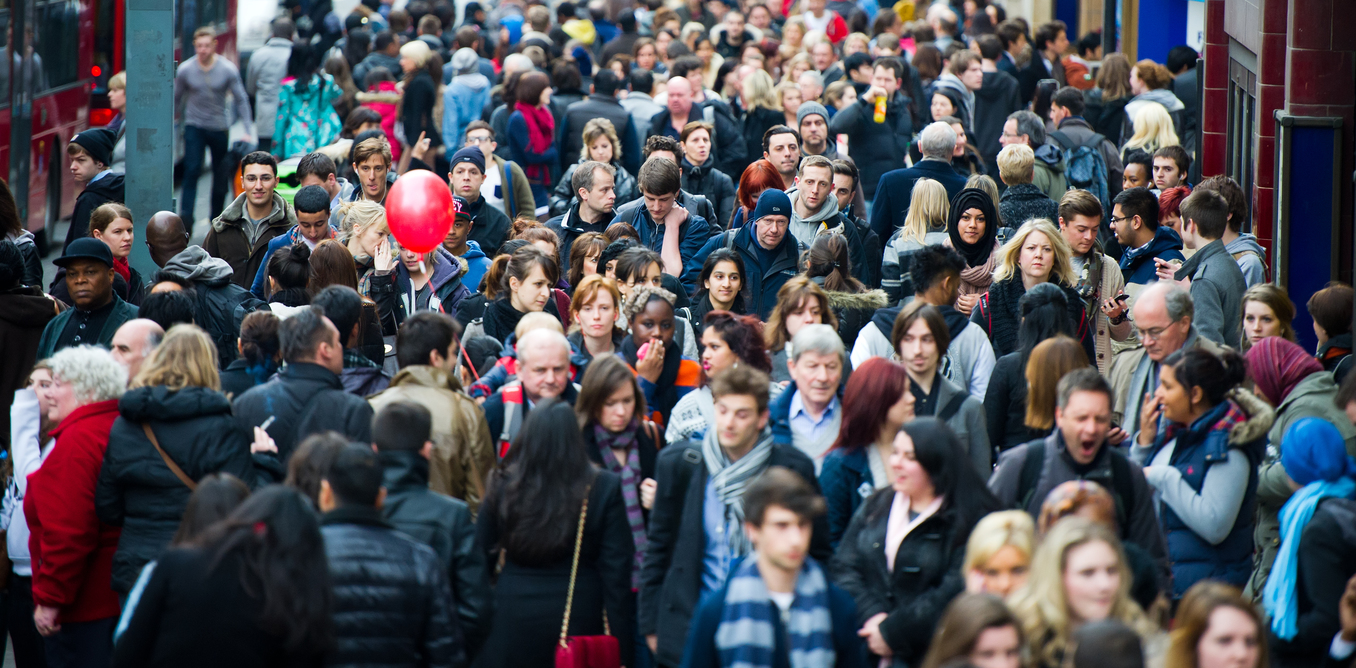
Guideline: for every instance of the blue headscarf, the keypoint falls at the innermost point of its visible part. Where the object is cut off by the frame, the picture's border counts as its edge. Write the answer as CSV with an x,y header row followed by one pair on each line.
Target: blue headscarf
x,y
1315,456
514,23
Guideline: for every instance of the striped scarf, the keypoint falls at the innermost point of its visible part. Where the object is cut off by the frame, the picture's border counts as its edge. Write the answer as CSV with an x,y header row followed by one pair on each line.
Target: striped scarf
x,y
630,483
730,479
747,636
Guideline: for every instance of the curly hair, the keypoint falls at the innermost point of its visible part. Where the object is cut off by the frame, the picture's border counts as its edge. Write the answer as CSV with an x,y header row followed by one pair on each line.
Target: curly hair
x,y
744,336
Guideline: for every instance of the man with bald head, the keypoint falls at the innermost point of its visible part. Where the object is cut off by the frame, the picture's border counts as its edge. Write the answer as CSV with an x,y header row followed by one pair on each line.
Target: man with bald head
x,y
165,236
1163,316
133,343
543,373
681,107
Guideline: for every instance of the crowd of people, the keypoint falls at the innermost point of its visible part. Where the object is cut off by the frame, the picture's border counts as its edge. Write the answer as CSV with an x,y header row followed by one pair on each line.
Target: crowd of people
x,y
764,334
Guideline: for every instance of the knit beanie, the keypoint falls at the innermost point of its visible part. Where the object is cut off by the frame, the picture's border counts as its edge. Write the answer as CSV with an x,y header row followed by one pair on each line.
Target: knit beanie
x,y
98,143
809,109
772,202
471,154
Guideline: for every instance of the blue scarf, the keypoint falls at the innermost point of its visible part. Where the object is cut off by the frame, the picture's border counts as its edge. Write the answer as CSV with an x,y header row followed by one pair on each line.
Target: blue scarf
x,y
1279,595
747,638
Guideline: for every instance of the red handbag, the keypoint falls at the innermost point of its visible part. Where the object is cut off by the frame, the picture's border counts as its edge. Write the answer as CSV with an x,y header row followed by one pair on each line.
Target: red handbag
x,y
585,651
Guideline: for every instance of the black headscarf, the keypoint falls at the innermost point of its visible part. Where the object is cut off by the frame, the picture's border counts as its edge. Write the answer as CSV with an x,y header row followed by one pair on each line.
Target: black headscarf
x,y
973,198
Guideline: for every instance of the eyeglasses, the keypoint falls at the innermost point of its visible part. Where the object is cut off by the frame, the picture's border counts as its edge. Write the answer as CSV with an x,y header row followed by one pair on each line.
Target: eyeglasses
x,y
1154,333
479,140
1115,220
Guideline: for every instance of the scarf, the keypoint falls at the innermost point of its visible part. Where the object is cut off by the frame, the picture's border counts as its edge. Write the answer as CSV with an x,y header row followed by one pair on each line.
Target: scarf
x,y
976,279
124,270
630,479
978,252
541,130
1279,596
1004,318
747,635
731,478
1278,365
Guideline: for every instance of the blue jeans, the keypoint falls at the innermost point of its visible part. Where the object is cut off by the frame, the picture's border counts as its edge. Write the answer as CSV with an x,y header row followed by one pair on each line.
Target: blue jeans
x,y
196,143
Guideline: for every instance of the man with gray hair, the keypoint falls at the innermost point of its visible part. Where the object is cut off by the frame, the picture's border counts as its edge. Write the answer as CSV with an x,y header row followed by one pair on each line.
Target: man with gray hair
x,y
1025,127
543,373
1163,315
594,185
937,142
133,343
811,85
808,413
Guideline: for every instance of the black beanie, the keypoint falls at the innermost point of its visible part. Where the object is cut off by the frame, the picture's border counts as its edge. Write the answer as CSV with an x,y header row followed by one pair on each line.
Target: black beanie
x,y
98,143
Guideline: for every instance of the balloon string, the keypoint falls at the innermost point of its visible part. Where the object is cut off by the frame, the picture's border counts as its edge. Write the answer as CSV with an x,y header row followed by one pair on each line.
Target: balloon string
x,y
422,270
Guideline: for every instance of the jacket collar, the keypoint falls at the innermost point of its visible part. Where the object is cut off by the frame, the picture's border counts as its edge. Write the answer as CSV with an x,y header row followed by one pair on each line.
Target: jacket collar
x,y
423,375
571,221
95,409
1200,257
311,371
1098,468
235,213
403,471
360,515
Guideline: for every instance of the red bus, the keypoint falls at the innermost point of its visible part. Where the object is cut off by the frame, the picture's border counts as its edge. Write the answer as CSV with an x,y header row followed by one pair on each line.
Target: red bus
x,y
57,58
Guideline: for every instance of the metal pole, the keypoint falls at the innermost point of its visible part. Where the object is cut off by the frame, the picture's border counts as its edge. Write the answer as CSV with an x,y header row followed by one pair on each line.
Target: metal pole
x,y
150,117
1108,27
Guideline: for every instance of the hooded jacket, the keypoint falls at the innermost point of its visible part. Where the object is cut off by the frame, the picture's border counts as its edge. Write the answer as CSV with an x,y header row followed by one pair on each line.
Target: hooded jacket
x,y
476,266
306,119
102,191
1049,176
397,299
136,489
446,525
693,233
996,99
383,99
278,243
853,309
949,81
563,197
231,240
221,305
969,360
767,270
1137,264
880,147
1217,288
463,99
716,186
28,249
1161,96
489,225
1251,258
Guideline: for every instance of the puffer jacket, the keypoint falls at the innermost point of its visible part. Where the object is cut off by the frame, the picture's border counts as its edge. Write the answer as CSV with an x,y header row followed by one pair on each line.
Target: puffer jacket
x,y
563,197
391,597
136,489
444,524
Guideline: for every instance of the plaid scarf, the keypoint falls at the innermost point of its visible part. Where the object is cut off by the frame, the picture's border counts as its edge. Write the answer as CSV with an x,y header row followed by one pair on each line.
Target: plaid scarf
x,y
731,478
630,479
1232,417
747,635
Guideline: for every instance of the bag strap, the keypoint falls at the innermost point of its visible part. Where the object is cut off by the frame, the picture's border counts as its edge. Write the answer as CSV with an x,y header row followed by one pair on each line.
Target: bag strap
x,y
174,468
574,570
952,407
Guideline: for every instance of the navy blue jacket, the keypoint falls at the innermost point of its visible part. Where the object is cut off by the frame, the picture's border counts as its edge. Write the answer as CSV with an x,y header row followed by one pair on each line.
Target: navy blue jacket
x,y
846,481
761,282
701,639
1137,264
895,192
692,233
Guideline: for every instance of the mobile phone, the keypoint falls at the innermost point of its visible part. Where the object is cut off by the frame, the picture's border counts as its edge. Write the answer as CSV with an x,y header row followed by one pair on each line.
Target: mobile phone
x,y
1122,297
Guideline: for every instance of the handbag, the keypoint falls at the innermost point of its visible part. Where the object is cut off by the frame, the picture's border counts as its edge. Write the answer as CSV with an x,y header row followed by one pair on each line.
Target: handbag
x,y
174,468
585,651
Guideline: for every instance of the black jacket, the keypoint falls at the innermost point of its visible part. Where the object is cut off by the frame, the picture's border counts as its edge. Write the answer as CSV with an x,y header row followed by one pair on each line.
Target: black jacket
x,y
716,186
671,578
563,197
997,313
998,97
222,306
136,489
419,99
236,378
766,271
444,524
489,228
728,146
598,106
756,123
1024,202
896,192
392,605
105,190
926,576
1327,559
878,147
569,227
304,399
1005,404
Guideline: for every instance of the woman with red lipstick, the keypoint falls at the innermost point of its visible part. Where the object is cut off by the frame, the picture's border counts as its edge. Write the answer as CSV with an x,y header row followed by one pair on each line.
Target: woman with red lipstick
x,y
112,224
728,340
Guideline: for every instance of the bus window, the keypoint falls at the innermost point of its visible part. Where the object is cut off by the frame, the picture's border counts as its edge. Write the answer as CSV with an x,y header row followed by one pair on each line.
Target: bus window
x,y
58,38
5,56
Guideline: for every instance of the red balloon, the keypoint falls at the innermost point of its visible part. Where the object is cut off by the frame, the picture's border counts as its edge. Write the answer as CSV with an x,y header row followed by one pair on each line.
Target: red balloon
x,y
419,210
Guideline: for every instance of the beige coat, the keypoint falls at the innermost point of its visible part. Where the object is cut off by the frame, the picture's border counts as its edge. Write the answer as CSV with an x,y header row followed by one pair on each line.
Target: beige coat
x,y
1129,380
462,451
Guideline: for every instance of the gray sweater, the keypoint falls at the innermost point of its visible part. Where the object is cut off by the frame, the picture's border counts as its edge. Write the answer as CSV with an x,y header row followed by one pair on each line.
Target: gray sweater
x,y
202,94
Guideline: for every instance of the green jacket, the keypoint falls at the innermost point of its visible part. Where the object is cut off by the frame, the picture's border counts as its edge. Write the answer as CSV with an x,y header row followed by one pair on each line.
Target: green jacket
x,y
1312,397
122,312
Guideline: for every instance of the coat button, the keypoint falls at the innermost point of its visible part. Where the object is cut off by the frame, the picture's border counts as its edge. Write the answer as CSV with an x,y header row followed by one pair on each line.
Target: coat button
x,y
875,545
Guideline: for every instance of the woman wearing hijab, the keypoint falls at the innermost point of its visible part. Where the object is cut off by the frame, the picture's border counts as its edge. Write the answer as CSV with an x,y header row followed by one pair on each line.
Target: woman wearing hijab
x,y
1314,561
973,228
1290,379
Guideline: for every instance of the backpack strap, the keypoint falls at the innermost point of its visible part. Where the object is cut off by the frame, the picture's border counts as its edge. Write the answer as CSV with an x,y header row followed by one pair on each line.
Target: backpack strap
x,y
730,238
1065,141
952,407
1122,488
1031,473
174,468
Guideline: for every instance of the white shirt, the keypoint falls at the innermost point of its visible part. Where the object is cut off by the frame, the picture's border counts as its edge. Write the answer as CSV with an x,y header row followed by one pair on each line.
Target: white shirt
x,y
490,188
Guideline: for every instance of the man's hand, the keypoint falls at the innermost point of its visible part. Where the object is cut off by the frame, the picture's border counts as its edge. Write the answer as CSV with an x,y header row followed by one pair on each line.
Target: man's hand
x,y
874,640
648,487
869,96
1116,436
652,641
420,149
1113,308
1148,419
966,303
1166,269
676,216
44,618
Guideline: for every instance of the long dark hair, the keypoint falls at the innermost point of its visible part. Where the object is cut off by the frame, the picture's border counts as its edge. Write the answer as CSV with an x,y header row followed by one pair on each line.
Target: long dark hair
x,y
302,64
9,212
276,536
939,451
871,392
722,255
1045,314
217,495
744,336
542,485
829,258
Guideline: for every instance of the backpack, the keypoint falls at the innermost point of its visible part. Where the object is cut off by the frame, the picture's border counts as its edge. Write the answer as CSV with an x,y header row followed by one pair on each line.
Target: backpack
x,y
1266,271
1122,489
1086,168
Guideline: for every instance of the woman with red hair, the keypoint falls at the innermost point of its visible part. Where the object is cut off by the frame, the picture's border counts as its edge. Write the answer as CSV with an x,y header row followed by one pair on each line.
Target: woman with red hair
x,y
1169,208
757,177
728,340
876,403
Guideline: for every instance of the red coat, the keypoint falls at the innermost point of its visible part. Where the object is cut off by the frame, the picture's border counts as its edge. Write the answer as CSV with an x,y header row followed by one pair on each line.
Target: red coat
x,y
72,550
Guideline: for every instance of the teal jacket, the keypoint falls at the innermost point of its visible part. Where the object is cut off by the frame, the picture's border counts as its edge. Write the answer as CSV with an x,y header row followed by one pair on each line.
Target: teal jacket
x,y
122,312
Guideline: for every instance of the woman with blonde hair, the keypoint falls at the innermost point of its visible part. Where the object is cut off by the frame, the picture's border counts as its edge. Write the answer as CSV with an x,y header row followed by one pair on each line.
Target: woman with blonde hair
x,y
998,553
796,65
1267,311
977,630
1151,84
800,302
1216,627
1078,575
762,110
367,236
601,144
1152,129
924,225
174,428
788,101
793,34
1037,253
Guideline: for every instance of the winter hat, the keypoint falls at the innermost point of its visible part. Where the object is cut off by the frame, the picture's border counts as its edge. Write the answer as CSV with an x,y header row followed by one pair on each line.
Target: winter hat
x,y
416,50
471,154
810,109
98,143
459,206
582,30
514,24
583,60
772,202
1314,451
465,61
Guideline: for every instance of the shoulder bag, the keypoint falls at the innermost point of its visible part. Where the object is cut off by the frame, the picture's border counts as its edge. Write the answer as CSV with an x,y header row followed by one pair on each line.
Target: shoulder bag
x,y
174,468
585,651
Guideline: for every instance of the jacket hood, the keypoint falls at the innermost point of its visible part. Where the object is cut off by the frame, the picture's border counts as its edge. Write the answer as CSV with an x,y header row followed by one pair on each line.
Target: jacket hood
x,y
871,299
446,268
1260,417
697,172
1162,96
473,251
1165,239
193,264
26,307
1052,157
161,404
110,187
380,96
474,81
403,471
827,209
885,319
955,320
26,238
234,215
1245,242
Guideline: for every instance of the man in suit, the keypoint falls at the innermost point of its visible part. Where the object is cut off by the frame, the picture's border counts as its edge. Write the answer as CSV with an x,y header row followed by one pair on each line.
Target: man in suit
x,y
937,142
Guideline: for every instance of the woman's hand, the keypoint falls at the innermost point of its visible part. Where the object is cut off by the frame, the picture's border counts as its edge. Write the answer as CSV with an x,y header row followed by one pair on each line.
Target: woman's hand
x,y
650,366
420,148
45,619
382,259
648,487
874,640
1148,419
1113,308
262,442
966,303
